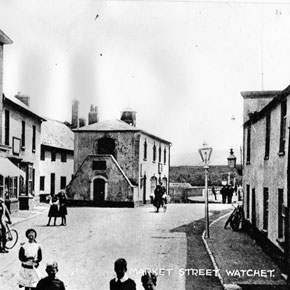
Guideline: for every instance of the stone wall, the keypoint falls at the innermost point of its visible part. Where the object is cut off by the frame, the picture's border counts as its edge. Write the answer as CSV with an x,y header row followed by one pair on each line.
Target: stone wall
x,y
82,185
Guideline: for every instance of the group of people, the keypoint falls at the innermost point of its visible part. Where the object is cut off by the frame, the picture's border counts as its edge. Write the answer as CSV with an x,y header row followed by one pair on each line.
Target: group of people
x,y
58,208
227,192
160,197
123,282
30,255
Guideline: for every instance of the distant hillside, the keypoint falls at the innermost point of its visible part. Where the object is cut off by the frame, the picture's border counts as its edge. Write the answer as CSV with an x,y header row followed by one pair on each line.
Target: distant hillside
x,y
219,157
195,175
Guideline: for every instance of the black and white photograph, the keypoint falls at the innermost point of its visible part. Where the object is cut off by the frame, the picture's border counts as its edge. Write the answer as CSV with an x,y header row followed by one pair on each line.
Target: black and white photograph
x,y
144,144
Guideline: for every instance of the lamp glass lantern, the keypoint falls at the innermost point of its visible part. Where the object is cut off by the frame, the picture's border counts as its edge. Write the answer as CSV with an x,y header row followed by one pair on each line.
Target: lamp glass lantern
x,y
232,159
205,154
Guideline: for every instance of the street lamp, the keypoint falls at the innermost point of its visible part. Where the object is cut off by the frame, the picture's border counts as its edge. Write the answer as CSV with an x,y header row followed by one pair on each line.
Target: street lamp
x,y
205,153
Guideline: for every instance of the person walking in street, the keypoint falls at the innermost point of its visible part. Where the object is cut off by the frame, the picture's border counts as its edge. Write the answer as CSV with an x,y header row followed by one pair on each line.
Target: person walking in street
x,y
165,200
53,210
50,282
158,192
213,192
4,213
224,192
62,207
230,192
122,281
30,255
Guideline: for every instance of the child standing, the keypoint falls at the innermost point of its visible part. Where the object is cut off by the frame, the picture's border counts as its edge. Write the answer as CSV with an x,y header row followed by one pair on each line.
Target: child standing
x,y
50,282
30,254
53,210
122,281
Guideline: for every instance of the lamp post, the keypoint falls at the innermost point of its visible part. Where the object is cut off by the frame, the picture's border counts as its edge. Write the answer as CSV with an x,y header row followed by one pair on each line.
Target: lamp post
x,y
205,153
231,163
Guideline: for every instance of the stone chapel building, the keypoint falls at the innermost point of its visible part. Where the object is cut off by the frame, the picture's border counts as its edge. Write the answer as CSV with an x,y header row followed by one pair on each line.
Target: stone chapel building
x,y
116,163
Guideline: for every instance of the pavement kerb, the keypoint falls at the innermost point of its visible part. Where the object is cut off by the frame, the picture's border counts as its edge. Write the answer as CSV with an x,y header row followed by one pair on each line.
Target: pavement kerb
x,y
27,218
225,286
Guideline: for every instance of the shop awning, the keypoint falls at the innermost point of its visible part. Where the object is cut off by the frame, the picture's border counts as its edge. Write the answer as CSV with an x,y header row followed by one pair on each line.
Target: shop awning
x,y
7,168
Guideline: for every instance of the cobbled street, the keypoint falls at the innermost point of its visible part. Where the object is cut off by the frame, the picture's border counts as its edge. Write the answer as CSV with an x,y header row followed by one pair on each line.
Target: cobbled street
x,y
95,237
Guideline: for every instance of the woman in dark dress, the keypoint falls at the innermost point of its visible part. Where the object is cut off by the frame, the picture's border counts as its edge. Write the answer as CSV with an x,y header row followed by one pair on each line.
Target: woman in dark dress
x,y
62,207
53,210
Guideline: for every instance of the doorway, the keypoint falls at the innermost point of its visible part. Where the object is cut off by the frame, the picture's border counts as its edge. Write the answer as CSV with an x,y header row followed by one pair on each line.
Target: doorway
x,y
99,191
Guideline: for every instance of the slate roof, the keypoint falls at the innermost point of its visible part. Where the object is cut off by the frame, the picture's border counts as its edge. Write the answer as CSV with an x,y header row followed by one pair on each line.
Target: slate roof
x,y
57,134
21,106
278,96
108,125
115,125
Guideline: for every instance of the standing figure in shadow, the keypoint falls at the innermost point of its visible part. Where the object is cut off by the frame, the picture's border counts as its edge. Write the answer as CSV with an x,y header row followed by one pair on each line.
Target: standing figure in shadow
x,y
53,210
62,197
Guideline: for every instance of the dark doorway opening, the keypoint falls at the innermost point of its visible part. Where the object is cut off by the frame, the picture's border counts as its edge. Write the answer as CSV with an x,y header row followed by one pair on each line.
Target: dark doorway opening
x,y
99,191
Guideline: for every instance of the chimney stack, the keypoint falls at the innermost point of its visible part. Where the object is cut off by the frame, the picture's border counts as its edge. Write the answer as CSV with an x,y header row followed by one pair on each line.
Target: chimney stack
x,y
128,115
93,115
82,122
24,99
75,115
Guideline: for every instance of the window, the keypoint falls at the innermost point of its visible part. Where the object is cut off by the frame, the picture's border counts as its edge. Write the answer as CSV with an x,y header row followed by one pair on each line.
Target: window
x,y
23,135
33,138
268,131
42,183
99,165
1,185
281,214
52,183
63,157
248,200
159,154
42,154
265,208
154,152
253,207
12,187
53,156
33,179
145,150
30,180
164,155
62,182
283,127
7,127
153,183
248,157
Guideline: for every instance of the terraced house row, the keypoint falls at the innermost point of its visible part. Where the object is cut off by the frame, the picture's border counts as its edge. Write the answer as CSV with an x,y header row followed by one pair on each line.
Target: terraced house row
x,y
107,163
266,179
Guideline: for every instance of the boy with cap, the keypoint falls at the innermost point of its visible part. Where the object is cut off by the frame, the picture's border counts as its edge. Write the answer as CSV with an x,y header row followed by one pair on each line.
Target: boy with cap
x,y
50,282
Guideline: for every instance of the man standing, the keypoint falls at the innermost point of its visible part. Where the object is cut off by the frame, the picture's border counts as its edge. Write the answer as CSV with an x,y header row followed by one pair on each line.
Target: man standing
x,y
223,192
3,213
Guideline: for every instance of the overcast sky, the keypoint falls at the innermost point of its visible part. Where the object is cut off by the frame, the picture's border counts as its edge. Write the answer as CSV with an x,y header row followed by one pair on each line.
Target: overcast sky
x,y
180,64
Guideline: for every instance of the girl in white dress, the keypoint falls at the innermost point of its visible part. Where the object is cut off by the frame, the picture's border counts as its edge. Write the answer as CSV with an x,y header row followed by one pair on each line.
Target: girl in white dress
x,y
30,255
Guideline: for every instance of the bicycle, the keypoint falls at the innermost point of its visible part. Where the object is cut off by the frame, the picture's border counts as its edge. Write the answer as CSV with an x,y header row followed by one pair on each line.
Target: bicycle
x,y
11,238
236,219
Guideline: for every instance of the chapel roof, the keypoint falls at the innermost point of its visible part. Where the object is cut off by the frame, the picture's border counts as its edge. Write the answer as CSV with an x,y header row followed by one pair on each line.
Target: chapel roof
x,y
115,125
